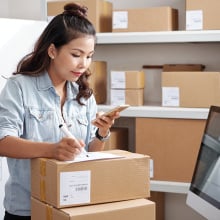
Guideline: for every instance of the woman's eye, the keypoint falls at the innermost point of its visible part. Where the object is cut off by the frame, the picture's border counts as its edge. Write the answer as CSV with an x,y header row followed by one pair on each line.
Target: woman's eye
x,y
75,55
90,56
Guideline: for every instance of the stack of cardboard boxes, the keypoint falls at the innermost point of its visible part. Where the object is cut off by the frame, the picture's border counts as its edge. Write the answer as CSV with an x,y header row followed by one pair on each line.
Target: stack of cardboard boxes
x,y
92,189
127,87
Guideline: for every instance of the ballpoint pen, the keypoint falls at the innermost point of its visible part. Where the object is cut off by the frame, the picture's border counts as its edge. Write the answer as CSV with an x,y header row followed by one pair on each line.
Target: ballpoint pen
x,y
64,129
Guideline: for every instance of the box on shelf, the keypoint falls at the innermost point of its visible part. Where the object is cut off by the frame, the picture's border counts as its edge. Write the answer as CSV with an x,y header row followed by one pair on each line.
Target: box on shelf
x,y
140,209
183,67
191,89
131,79
202,15
145,19
98,81
99,12
118,139
172,144
133,97
159,199
65,184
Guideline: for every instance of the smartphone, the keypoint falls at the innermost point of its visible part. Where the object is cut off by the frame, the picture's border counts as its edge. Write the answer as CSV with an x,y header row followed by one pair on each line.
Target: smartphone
x,y
118,108
111,112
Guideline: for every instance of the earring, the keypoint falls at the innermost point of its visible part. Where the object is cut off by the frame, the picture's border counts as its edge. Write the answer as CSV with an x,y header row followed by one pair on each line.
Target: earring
x,y
52,57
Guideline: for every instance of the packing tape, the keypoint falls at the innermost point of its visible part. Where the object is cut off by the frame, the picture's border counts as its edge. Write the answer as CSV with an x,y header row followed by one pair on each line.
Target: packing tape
x,y
43,167
49,214
42,180
42,190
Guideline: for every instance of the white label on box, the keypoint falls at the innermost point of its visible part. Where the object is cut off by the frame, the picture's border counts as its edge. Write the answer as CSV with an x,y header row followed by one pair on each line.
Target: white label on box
x,y
117,97
75,187
170,96
118,80
120,20
194,20
151,168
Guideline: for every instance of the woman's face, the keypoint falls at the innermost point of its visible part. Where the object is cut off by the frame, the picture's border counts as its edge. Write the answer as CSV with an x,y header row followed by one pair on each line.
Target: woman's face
x,y
71,60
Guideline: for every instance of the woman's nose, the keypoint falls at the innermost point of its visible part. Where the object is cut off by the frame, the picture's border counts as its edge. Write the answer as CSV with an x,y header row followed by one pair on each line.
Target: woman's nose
x,y
83,62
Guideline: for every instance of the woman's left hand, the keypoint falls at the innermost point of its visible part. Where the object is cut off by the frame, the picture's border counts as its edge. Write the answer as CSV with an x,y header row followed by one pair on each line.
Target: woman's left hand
x,y
104,123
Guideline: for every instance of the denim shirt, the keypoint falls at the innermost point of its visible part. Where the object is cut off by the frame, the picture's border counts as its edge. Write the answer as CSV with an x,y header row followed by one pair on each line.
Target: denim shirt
x,y
30,109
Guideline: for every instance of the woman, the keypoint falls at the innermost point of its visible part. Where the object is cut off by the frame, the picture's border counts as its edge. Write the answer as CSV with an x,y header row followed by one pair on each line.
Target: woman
x,y
50,88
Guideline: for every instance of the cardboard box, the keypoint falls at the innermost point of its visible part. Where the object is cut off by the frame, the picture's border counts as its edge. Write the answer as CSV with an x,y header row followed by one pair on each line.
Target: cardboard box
x,y
145,19
183,67
172,144
133,97
118,139
202,15
140,209
65,184
159,199
98,81
131,79
99,12
191,89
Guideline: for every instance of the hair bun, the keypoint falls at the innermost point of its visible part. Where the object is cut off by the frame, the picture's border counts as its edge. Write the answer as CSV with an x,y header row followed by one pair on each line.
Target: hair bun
x,y
75,10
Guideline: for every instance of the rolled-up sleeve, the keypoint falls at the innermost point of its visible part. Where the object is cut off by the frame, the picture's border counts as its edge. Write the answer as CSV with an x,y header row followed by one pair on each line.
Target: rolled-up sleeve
x,y
11,110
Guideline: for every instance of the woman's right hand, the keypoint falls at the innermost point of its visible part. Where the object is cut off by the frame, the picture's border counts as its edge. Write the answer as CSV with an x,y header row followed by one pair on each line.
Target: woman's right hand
x,y
67,149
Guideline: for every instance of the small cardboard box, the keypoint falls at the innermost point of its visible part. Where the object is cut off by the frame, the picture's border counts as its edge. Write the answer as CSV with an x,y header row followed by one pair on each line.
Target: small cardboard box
x,y
65,184
145,19
172,144
131,79
98,81
140,209
202,15
133,97
99,12
183,67
118,139
190,89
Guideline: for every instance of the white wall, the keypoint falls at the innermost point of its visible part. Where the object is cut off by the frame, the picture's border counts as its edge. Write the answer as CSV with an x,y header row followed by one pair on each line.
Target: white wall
x,y
14,44
23,9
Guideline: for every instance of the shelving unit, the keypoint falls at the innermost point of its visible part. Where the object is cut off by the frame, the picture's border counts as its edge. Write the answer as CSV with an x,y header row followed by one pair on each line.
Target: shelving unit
x,y
159,37
154,38
161,112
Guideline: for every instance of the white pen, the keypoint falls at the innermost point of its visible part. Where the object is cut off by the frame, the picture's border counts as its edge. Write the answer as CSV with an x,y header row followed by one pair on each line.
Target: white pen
x,y
68,134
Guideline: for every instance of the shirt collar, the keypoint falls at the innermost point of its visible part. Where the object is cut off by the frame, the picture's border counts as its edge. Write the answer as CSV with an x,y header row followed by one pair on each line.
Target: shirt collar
x,y
44,83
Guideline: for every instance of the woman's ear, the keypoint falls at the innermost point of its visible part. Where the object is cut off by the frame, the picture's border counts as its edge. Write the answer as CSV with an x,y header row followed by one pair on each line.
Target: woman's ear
x,y
51,51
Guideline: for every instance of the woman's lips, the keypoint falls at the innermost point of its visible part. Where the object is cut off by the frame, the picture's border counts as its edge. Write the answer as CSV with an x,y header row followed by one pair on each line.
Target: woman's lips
x,y
78,74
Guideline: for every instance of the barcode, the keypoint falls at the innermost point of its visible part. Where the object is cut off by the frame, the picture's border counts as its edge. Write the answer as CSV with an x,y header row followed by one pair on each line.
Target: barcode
x,y
81,188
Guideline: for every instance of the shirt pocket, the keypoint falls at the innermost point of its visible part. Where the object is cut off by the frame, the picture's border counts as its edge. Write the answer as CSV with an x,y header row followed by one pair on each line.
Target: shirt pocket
x,y
79,126
40,124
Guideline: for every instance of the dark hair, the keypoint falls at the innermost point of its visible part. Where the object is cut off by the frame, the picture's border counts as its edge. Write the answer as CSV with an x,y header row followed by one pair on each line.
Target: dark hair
x,y
63,28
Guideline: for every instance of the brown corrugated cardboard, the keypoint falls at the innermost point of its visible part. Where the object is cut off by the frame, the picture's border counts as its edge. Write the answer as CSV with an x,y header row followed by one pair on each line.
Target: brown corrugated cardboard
x,y
172,144
133,97
65,184
202,15
140,209
130,79
191,89
99,12
183,67
98,81
118,139
145,19
159,199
